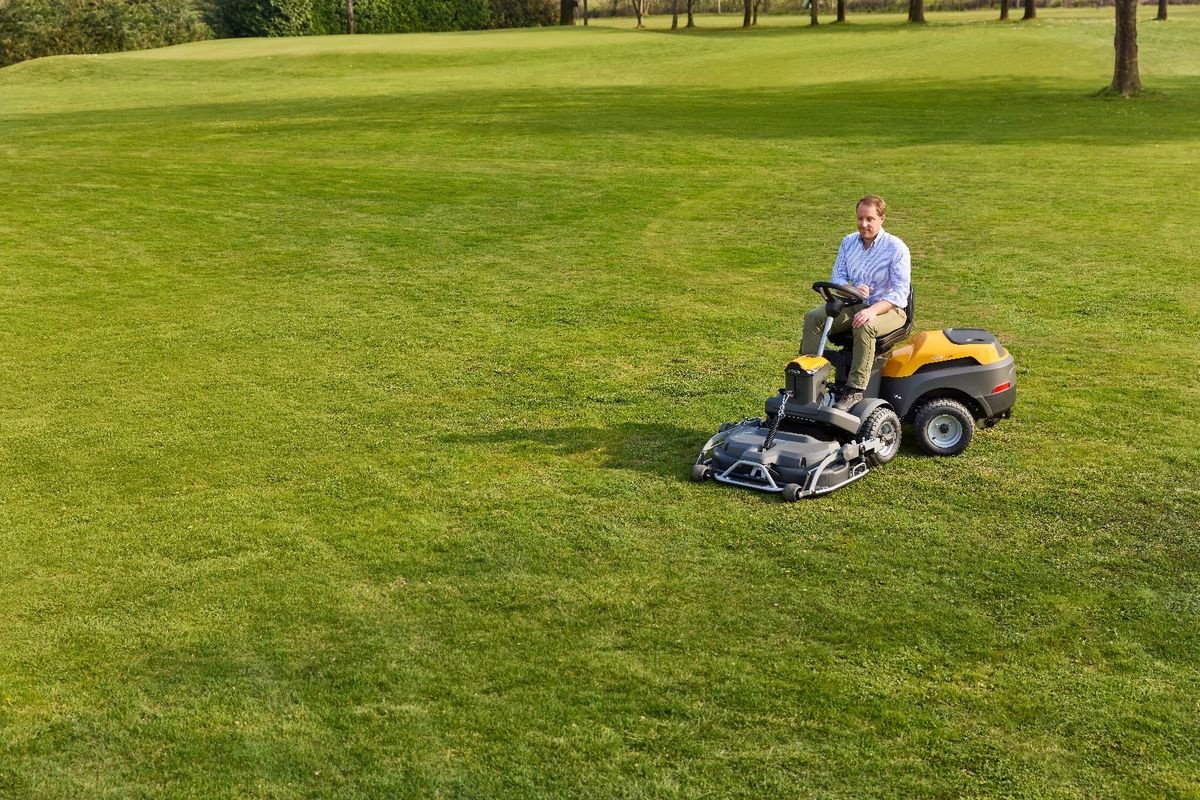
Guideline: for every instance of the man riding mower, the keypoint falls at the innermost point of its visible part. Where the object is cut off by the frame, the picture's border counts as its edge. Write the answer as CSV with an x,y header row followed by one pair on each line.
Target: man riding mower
x,y
942,382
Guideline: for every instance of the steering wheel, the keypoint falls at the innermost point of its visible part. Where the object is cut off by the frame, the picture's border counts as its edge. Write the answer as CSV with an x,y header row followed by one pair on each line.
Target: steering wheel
x,y
846,295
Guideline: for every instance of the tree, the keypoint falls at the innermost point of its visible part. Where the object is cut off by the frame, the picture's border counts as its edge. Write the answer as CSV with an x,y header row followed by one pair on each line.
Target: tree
x,y
566,12
585,13
350,17
746,21
814,7
691,19
1030,10
757,3
674,15
1003,9
916,11
639,10
841,10
1126,80
1162,10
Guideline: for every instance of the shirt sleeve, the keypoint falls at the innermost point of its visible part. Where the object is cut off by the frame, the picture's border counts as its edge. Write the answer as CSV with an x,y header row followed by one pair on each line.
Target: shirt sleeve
x,y
841,270
899,278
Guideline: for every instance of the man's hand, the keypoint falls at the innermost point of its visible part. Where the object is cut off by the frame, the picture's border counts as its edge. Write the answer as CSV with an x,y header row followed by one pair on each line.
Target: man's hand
x,y
864,290
871,312
864,316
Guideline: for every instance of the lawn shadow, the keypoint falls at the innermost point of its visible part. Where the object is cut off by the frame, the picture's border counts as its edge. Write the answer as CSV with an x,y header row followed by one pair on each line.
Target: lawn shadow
x,y
981,111
661,449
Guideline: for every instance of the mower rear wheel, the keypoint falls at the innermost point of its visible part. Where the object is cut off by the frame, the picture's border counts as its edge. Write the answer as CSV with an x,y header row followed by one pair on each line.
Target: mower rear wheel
x,y
701,472
884,425
944,427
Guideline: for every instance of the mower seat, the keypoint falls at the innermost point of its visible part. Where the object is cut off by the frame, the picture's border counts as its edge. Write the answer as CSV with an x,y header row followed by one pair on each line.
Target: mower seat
x,y
883,344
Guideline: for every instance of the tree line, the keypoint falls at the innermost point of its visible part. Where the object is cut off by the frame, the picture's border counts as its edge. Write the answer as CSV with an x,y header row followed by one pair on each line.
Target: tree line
x,y
36,28
1126,77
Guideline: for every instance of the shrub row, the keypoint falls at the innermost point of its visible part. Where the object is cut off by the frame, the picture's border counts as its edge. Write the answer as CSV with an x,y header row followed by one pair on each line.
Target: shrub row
x,y
35,28
308,17
230,18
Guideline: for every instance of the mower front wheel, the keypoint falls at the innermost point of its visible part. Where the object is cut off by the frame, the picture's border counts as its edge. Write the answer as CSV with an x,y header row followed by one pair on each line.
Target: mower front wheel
x,y
701,472
883,425
944,427
791,492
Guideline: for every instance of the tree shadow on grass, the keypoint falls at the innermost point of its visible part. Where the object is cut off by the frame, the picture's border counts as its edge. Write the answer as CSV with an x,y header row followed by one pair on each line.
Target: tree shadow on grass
x,y
980,111
661,449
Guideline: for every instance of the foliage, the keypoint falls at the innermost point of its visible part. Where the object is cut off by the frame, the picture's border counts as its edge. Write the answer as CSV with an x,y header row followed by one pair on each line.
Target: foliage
x,y
523,13
302,17
35,28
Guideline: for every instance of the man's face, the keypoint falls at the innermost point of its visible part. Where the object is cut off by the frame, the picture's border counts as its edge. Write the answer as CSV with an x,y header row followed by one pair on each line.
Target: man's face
x,y
869,222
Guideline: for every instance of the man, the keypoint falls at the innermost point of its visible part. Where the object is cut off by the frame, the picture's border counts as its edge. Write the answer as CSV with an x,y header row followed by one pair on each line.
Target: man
x,y
879,266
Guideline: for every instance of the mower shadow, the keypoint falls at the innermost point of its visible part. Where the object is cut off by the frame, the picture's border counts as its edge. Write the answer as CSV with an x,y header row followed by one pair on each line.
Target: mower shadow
x,y
663,450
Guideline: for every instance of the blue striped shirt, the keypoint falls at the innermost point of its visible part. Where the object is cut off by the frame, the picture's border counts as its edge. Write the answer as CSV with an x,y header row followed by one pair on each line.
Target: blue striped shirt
x,y
886,267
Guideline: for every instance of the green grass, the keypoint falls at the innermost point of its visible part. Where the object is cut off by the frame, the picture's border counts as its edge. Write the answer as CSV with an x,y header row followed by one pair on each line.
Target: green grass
x,y
350,388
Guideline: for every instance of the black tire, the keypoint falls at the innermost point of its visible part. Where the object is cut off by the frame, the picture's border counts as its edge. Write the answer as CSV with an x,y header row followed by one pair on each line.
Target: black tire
x,y
700,472
882,424
791,492
944,427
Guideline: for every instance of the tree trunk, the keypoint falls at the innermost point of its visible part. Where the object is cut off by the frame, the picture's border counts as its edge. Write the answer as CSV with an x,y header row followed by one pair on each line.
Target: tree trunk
x,y
1003,9
814,8
1126,80
566,12
585,13
916,11
350,17
691,19
757,3
746,17
639,9
1162,10
1031,10
841,10
674,15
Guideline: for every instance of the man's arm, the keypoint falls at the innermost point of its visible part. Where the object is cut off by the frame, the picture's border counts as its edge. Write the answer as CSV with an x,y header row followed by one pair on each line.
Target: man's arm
x,y
895,294
841,271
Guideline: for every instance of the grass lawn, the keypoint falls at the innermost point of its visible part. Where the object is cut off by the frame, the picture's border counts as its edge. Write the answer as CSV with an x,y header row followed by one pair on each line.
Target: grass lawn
x,y
349,389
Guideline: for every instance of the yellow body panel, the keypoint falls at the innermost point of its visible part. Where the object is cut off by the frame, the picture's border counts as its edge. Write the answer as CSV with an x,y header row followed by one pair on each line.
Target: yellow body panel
x,y
930,347
809,363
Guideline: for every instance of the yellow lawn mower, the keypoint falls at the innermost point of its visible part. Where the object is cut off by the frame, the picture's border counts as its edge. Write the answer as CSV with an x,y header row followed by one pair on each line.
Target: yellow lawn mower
x,y
942,382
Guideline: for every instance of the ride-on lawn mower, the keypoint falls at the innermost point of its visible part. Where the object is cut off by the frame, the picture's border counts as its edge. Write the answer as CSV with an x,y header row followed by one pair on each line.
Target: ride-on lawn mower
x,y
941,382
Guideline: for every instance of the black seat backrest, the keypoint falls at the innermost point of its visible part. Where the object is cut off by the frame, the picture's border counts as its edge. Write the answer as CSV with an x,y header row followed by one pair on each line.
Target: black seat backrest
x,y
888,340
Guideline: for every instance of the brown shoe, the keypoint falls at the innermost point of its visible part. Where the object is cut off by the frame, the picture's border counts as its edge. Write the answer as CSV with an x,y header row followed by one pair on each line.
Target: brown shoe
x,y
847,398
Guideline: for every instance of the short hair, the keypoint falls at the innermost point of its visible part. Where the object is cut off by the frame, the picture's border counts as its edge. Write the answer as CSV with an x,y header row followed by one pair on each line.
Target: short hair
x,y
874,200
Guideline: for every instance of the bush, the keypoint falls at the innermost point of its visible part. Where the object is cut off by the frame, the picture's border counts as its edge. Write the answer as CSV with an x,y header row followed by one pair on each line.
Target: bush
x,y
523,13
36,28
231,18
236,18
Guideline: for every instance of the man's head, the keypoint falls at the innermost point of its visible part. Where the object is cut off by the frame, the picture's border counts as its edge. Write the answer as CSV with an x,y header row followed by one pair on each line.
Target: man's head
x,y
872,211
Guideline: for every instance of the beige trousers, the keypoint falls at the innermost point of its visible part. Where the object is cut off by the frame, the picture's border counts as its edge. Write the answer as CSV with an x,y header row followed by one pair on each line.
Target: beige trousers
x,y
863,353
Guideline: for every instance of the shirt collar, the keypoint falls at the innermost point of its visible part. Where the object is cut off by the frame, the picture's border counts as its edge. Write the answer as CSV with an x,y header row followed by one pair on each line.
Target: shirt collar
x,y
879,237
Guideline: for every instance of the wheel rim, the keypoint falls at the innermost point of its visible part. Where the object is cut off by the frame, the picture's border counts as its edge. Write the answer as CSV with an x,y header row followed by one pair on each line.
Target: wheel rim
x,y
890,436
944,430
